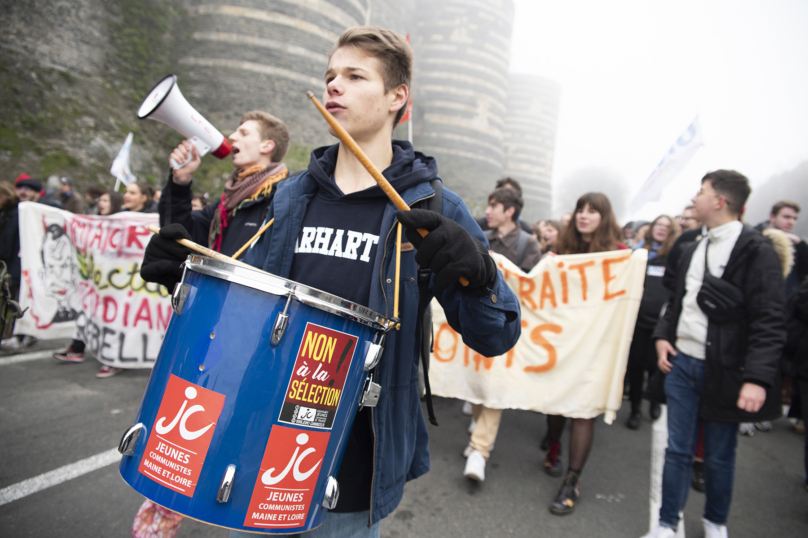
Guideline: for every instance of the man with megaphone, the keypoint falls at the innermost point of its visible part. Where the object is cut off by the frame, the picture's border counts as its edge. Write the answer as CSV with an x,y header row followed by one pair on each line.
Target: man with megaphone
x,y
259,145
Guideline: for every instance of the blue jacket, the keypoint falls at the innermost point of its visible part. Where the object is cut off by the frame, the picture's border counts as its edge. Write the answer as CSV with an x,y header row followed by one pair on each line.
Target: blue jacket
x,y
490,328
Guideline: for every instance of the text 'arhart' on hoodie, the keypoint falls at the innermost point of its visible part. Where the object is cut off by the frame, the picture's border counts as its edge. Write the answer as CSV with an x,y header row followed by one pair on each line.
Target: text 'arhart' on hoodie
x,y
337,244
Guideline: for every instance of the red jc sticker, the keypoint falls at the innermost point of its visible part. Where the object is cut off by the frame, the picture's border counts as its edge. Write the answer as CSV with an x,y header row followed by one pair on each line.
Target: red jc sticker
x,y
181,435
289,471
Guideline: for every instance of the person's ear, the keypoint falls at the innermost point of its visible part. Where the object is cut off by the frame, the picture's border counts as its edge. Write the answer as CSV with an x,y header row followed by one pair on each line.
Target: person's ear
x,y
267,147
400,96
510,211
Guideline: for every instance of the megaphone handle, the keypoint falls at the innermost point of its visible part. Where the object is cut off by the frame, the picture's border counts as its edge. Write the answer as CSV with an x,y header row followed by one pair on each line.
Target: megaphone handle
x,y
176,166
202,149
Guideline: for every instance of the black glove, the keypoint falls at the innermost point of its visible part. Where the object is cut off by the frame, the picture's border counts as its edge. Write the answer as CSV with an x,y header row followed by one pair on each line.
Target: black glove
x,y
449,251
162,261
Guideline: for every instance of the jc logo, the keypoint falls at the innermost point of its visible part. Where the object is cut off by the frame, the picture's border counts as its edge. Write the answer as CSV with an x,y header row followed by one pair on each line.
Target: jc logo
x,y
294,465
182,418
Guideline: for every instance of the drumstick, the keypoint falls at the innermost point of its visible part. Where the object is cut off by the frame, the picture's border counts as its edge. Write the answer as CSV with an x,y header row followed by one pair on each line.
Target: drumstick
x,y
202,250
240,251
351,144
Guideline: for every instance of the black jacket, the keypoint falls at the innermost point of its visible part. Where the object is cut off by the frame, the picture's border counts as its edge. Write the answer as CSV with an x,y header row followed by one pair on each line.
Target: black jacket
x,y
175,206
654,295
10,242
669,280
746,351
798,332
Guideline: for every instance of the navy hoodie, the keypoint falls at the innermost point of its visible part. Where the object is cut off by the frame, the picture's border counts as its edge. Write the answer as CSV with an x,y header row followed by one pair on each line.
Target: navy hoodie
x,y
334,252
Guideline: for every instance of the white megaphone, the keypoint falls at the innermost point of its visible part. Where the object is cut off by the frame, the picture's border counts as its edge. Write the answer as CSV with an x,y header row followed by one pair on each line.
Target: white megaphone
x,y
165,103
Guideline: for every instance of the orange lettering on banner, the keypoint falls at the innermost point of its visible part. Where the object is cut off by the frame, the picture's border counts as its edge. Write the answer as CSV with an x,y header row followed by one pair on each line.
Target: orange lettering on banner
x,y
607,277
487,362
565,291
581,268
526,288
546,284
450,353
512,351
538,338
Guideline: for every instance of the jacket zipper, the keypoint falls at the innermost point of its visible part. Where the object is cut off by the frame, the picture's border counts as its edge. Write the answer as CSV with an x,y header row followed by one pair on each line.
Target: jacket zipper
x,y
372,417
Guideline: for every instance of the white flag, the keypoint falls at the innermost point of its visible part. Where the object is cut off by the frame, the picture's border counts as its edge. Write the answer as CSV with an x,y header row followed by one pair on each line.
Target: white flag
x,y
120,166
672,163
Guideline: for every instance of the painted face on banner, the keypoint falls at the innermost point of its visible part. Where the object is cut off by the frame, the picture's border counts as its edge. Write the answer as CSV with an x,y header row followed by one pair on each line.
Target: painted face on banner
x,y
58,273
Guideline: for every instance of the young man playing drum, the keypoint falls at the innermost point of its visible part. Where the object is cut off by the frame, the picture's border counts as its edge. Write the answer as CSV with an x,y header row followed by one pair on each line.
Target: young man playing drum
x,y
259,145
334,230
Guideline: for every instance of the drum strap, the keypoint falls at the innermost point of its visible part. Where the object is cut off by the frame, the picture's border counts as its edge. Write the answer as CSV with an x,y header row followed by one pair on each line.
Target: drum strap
x,y
424,309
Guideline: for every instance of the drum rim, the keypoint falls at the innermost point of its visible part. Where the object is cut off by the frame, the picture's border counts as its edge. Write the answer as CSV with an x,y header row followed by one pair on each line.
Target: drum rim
x,y
267,282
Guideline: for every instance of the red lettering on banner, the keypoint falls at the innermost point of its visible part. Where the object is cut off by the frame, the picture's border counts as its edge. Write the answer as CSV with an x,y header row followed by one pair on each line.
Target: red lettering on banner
x,y
162,321
144,307
134,233
315,388
113,243
97,239
607,277
547,291
581,268
181,435
538,338
107,301
286,480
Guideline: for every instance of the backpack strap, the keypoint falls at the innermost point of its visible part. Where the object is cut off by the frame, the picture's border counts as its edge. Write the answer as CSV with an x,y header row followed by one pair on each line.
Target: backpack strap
x,y
424,309
521,247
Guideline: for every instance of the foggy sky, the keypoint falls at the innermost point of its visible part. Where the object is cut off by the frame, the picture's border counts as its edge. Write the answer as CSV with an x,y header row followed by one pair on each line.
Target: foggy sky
x,y
634,74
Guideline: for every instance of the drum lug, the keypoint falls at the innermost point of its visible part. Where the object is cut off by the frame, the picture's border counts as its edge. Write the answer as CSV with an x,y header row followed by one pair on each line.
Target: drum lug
x,y
370,394
279,327
374,354
227,484
129,440
179,297
331,493
180,294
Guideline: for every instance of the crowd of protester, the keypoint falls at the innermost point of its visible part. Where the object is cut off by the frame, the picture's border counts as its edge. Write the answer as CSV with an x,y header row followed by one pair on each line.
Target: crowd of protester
x,y
773,335
670,322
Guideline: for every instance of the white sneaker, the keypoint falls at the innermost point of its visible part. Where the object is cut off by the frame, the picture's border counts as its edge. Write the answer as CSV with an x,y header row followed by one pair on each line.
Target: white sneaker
x,y
475,466
711,530
660,532
472,425
467,408
746,428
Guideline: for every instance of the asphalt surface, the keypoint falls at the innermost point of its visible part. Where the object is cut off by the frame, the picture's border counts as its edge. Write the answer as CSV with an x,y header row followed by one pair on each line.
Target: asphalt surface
x,y
54,414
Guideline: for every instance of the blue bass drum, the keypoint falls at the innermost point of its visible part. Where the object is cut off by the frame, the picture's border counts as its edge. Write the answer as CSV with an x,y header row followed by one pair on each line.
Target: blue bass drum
x,y
248,409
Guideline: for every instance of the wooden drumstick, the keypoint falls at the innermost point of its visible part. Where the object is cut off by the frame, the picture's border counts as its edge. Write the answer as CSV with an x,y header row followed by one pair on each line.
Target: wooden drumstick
x,y
202,250
351,144
240,251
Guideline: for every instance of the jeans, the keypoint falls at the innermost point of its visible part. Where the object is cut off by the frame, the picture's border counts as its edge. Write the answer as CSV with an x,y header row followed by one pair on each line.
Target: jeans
x,y
350,525
683,389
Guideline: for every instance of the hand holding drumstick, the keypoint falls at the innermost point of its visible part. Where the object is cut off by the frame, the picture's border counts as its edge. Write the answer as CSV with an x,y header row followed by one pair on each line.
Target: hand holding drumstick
x,y
444,246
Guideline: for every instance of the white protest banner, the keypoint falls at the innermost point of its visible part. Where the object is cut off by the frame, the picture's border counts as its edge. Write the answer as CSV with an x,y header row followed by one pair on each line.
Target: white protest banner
x,y
671,164
81,277
578,315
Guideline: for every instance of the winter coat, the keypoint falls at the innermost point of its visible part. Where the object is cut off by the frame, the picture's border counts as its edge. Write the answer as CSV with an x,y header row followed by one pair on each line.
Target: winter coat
x,y
654,295
10,242
801,316
175,206
746,351
490,324
73,202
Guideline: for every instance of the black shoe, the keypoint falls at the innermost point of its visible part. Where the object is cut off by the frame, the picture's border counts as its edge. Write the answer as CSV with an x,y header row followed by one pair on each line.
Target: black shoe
x,y
697,478
633,422
564,502
545,443
655,411
552,463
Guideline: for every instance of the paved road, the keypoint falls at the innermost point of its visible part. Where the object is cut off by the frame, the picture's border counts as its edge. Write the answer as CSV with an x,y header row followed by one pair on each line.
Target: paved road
x,y
54,414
